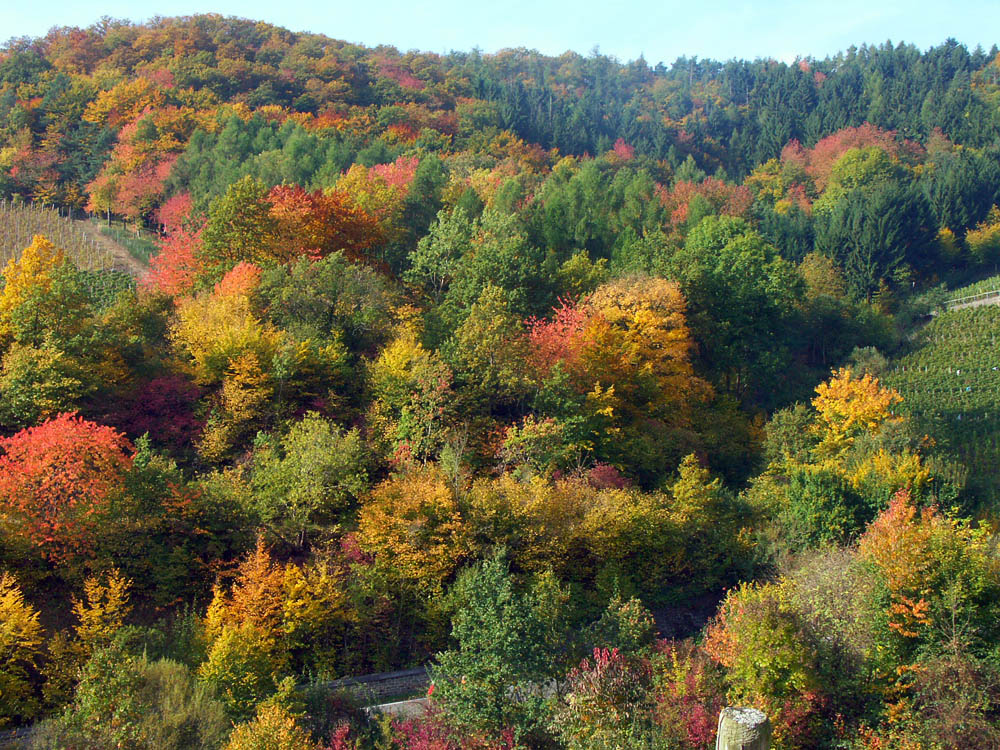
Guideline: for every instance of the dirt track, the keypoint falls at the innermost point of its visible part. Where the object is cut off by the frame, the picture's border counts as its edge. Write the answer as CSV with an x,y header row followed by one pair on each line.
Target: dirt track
x,y
123,258
977,303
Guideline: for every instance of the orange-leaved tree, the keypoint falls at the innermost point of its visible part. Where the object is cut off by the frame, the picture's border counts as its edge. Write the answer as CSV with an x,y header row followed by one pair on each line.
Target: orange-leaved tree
x,y
626,352
58,479
317,224
941,576
412,523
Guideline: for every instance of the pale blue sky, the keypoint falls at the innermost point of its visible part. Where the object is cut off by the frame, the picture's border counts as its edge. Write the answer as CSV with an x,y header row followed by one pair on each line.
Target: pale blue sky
x,y
661,31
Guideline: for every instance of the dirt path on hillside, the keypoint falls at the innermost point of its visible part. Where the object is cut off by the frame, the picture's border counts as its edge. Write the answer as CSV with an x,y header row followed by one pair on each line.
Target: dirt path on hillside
x,y
123,260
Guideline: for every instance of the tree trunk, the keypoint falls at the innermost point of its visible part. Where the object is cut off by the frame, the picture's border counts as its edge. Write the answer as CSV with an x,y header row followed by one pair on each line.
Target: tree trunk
x,y
743,729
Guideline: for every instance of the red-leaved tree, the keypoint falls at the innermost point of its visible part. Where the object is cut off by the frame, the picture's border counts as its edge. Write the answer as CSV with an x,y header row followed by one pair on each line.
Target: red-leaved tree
x,y
175,268
726,199
818,161
56,481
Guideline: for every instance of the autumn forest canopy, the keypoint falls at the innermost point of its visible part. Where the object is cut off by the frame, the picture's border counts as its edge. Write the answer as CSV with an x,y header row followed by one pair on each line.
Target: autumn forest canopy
x,y
610,393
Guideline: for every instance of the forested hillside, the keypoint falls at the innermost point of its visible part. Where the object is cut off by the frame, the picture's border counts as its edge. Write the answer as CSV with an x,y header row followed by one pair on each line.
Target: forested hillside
x,y
510,365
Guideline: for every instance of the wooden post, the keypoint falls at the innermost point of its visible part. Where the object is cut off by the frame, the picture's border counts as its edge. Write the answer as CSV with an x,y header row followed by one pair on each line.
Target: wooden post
x,y
743,729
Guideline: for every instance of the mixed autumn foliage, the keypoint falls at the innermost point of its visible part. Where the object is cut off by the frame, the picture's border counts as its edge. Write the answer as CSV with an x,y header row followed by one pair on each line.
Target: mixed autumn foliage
x,y
482,361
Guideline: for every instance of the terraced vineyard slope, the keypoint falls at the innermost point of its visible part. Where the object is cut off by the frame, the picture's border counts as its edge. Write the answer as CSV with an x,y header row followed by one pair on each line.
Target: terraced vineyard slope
x,y
20,222
107,266
991,284
985,292
950,383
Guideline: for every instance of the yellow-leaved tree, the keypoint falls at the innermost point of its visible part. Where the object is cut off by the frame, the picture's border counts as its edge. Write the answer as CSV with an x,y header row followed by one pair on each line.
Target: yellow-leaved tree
x,y
20,645
102,611
834,467
413,401
297,614
216,328
246,392
273,728
31,272
248,654
635,347
847,406
100,614
413,525
638,335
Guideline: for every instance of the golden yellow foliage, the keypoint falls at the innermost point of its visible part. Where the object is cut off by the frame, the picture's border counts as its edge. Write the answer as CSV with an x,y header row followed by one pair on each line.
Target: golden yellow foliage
x,y
638,342
412,524
622,525
984,241
257,597
375,196
847,406
316,607
928,560
20,643
246,391
578,531
215,329
274,728
890,472
217,615
766,182
241,669
103,610
393,372
33,270
246,388
312,595
124,102
288,609
948,245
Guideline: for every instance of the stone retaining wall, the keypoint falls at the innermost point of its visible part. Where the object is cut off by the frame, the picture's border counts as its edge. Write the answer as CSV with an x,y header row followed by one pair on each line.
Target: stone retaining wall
x,y
385,684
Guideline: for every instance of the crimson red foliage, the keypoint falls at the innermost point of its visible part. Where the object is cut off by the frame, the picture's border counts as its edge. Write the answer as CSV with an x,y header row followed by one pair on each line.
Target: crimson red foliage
x,y
393,70
351,551
604,476
164,407
428,732
341,739
431,732
691,695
